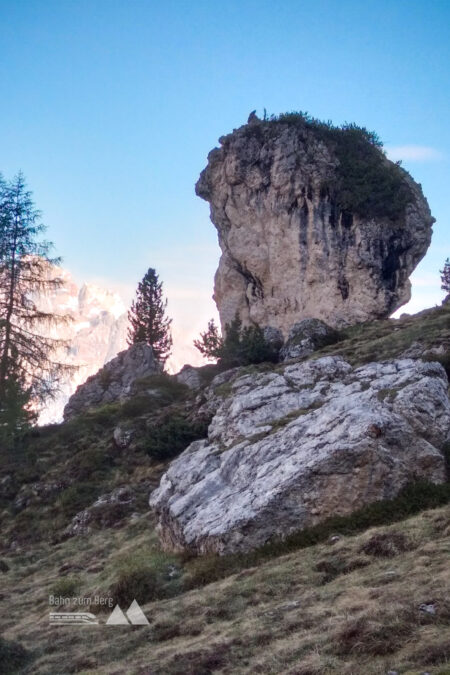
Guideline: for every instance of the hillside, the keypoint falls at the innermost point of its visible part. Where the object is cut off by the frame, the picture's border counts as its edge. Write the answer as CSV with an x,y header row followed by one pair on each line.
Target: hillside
x,y
365,593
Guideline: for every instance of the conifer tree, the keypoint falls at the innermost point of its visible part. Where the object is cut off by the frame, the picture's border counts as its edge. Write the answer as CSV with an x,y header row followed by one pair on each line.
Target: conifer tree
x,y
28,375
445,277
210,343
147,316
240,346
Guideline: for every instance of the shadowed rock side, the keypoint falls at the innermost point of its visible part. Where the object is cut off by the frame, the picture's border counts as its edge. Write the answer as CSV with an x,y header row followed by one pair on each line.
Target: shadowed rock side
x,y
114,381
288,448
289,251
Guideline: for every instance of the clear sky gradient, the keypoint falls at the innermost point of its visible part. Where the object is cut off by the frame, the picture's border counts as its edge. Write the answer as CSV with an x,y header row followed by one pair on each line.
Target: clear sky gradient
x,y
110,108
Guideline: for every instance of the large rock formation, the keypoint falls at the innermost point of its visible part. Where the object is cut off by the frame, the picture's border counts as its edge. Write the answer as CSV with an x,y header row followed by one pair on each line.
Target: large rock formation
x,y
313,222
290,447
114,382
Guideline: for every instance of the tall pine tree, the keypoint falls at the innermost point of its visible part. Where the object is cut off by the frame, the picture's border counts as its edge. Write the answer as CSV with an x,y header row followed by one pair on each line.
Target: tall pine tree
x,y
28,375
147,316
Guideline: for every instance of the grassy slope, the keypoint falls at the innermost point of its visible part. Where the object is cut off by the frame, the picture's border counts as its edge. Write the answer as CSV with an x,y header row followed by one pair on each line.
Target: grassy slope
x,y
331,608
325,608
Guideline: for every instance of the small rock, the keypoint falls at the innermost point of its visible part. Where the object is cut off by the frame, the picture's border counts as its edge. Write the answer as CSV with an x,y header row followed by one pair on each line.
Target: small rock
x,y
374,431
189,376
273,337
173,571
428,608
334,538
305,337
4,567
122,437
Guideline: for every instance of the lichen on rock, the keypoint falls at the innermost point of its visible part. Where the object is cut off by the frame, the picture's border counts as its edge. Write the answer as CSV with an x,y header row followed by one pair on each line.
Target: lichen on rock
x,y
290,447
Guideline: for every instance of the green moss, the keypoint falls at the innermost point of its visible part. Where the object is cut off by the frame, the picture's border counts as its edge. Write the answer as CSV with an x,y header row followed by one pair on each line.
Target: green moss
x,y
224,390
290,417
387,394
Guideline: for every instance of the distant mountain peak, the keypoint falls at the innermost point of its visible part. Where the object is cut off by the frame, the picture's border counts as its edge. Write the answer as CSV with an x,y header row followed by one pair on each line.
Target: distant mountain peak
x,y
96,334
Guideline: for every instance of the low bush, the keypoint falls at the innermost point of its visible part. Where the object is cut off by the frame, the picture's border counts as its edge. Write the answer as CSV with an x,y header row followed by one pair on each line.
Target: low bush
x,y
135,582
165,387
105,415
151,393
77,497
387,545
143,579
171,436
136,406
13,656
66,587
377,636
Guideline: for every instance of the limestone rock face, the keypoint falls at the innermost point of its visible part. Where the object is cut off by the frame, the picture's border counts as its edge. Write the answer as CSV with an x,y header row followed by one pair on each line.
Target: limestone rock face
x,y
290,447
289,251
114,381
305,337
190,376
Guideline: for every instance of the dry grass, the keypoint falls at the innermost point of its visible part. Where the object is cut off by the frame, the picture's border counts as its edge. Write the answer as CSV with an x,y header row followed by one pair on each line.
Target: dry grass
x,y
351,607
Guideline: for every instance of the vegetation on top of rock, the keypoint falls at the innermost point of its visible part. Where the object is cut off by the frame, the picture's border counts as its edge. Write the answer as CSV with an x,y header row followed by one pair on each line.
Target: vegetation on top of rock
x,y
426,334
366,183
241,346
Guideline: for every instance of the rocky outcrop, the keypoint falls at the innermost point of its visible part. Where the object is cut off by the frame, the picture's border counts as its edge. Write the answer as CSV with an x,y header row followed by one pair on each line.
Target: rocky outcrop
x,y
190,376
305,337
312,223
106,511
114,382
290,447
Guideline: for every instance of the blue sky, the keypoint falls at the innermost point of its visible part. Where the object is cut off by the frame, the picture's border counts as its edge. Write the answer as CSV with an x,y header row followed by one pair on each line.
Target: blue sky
x,y
110,108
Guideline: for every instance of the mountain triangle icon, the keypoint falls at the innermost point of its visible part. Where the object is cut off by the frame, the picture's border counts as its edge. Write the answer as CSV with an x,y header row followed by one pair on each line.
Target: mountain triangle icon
x,y
117,617
136,615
